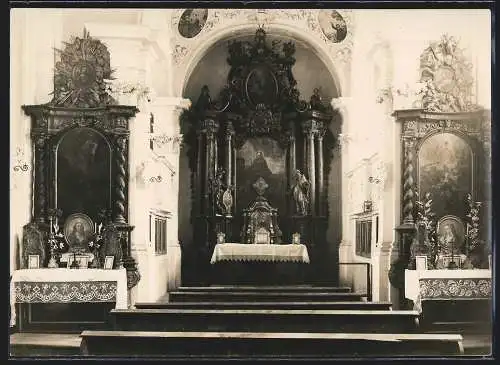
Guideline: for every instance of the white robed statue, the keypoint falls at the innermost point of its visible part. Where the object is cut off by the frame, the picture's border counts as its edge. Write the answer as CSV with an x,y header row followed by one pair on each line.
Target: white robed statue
x,y
300,193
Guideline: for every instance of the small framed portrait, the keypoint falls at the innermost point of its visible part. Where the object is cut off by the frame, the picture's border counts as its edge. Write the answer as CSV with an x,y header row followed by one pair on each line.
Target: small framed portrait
x,y
33,262
109,262
221,238
296,238
451,235
421,262
78,230
82,261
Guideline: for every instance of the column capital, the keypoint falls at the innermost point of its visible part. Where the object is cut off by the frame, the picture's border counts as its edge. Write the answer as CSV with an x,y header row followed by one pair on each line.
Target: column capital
x,y
341,104
175,103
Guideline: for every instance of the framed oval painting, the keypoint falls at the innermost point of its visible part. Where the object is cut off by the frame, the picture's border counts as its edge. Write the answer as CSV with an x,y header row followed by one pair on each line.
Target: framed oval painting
x,y
78,230
192,22
261,86
332,25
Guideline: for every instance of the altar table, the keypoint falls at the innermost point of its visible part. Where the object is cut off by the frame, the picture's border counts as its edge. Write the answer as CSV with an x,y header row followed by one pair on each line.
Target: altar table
x,y
421,285
62,285
260,252
259,264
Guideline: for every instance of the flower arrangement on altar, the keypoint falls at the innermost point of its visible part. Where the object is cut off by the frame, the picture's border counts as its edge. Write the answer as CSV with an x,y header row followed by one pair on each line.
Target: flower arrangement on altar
x,y
476,248
425,242
56,237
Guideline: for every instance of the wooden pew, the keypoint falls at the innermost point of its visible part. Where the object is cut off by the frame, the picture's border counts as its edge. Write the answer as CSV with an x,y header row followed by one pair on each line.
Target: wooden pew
x,y
256,296
264,320
254,345
268,305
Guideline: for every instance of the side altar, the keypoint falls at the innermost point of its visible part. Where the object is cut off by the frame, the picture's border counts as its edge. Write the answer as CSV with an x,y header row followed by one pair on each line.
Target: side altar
x,y
76,261
444,267
258,135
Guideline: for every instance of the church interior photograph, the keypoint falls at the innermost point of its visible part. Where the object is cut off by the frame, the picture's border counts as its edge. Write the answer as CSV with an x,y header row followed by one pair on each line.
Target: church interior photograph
x,y
250,183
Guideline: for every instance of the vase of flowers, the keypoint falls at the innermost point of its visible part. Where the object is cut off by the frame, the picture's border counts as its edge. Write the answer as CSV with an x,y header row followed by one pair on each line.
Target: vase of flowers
x,y
94,246
55,242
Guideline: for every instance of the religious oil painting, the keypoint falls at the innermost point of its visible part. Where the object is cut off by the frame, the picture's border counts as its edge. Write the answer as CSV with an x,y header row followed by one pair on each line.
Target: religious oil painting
x,y
333,25
451,235
83,172
445,169
78,231
261,157
192,22
261,86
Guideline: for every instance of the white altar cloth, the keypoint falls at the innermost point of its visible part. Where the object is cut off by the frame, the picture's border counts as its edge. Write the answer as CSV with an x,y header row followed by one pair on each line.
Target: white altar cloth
x,y
260,252
113,286
453,284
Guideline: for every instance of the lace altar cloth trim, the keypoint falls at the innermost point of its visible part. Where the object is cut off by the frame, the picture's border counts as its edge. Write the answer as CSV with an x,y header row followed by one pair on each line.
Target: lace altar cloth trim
x,y
454,288
97,291
260,252
64,285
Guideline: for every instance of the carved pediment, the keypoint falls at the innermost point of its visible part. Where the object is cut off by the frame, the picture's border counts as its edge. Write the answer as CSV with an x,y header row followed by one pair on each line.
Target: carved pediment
x,y
447,77
81,74
261,88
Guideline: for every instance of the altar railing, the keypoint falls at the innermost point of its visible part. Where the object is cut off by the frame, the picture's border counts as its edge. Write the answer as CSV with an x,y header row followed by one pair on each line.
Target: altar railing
x,y
368,276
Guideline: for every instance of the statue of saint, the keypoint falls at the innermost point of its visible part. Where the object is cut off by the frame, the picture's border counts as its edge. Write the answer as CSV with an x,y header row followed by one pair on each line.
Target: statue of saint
x,y
217,187
300,193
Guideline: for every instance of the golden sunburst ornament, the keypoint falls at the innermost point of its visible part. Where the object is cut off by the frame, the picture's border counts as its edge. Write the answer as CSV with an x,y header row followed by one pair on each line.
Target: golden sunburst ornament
x,y
82,73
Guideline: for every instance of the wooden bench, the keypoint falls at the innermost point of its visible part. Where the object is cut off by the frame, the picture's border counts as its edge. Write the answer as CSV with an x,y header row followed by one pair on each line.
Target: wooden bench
x,y
266,289
264,320
256,296
255,345
268,305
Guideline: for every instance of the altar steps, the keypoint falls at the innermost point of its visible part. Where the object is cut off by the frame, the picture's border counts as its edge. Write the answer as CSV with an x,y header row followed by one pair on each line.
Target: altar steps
x,y
264,320
255,345
262,296
385,306
266,289
44,345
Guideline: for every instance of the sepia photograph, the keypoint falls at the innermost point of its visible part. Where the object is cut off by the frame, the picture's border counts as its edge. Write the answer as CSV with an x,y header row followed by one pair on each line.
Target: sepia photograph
x,y
246,183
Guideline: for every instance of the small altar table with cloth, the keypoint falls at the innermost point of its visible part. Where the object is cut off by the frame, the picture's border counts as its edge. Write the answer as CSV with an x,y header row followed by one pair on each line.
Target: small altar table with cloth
x,y
265,264
66,300
448,290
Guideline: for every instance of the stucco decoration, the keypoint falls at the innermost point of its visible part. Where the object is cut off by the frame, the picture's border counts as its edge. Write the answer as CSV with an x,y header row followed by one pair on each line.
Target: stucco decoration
x,y
446,77
305,20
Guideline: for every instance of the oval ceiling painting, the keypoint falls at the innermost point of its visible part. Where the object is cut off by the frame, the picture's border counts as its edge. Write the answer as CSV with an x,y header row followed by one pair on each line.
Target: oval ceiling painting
x,y
192,22
333,25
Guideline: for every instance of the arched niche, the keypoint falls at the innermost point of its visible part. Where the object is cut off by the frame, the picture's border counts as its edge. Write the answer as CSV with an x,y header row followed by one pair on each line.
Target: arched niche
x,y
83,172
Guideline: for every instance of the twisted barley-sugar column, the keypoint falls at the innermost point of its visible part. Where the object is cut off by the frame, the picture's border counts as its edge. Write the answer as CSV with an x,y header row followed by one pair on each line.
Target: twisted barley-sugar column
x,y
408,183
40,178
121,145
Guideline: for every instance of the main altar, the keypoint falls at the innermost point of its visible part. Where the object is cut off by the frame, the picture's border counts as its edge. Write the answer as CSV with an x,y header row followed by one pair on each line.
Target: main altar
x,y
259,157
